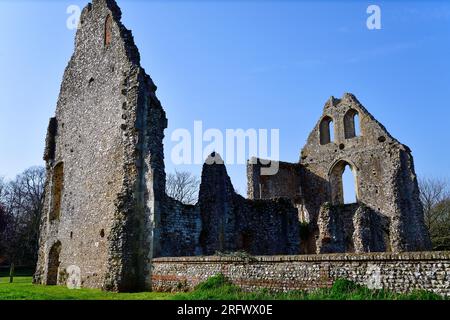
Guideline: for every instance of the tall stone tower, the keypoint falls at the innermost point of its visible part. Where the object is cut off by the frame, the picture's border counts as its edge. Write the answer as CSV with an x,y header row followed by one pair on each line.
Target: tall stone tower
x,y
105,162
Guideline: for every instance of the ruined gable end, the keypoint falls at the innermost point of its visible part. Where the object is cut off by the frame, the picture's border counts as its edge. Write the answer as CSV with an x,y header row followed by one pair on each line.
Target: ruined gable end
x,y
357,141
347,137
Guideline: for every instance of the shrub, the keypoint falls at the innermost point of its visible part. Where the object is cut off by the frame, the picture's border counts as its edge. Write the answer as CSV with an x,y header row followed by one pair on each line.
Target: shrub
x,y
216,282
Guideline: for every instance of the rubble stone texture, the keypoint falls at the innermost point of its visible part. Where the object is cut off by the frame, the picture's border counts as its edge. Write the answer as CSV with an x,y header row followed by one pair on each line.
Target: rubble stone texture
x,y
106,212
398,272
105,162
388,215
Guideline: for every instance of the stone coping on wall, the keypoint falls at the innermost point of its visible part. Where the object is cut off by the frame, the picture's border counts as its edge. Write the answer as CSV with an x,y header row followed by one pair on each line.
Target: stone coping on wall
x,y
375,256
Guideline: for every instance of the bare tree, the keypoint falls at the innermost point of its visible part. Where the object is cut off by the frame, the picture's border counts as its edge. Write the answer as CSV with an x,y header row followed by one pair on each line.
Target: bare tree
x,y
441,231
3,221
22,207
435,198
183,186
432,191
2,189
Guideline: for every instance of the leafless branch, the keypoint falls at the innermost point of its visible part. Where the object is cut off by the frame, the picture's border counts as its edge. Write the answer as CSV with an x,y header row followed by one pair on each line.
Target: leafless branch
x,y
183,186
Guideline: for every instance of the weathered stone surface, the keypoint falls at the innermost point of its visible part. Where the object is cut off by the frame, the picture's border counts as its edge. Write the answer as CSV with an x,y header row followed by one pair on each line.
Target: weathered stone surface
x,y
385,181
351,228
371,231
107,133
181,226
232,223
398,272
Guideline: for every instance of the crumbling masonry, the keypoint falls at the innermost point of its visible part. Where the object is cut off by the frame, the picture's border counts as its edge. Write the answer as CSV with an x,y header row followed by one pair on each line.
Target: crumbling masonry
x,y
106,211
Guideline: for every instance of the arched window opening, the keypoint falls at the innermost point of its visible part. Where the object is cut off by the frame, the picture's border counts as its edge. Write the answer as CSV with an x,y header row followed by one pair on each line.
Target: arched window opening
x,y
53,264
326,130
108,30
343,183
57,191
356,122
348,183
331,125
351,124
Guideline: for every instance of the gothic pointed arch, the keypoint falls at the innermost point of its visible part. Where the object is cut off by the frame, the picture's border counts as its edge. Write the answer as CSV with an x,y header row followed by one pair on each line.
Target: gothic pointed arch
x,y
53,263
326,129
336,180
351,124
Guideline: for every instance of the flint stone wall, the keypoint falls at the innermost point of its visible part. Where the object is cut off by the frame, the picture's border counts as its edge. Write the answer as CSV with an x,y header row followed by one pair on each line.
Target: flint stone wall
x,y
351,228
107,136
232,223
180,230
399,272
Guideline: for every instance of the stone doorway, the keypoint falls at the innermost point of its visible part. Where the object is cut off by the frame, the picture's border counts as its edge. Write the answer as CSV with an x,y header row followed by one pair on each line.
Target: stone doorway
x,y
53,264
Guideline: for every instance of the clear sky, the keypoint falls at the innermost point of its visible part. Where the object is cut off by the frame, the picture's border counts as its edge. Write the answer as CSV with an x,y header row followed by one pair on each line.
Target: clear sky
x,y
245,64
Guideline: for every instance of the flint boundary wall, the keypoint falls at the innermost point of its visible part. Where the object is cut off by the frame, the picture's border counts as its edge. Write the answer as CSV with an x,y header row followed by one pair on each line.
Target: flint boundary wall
x,y
400,272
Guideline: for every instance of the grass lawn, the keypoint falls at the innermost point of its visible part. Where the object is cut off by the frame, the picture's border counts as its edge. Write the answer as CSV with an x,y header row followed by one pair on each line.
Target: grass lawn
x,y
216,288
23,289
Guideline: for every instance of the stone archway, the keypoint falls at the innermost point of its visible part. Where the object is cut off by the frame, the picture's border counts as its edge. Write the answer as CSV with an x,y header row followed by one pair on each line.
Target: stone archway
x,y
336,181
53,264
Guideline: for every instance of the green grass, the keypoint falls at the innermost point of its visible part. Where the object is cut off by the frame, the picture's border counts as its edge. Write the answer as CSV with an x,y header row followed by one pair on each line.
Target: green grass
x,y
23,289
215,288
219,288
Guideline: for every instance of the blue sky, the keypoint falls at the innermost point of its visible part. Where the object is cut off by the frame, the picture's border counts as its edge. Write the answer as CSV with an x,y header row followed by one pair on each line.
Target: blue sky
x,y
245,64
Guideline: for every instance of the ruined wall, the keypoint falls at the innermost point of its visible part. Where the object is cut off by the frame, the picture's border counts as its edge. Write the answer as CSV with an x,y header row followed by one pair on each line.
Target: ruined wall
x,y
223,221
218,213
267,227
351,228
371,230
385,180
107,133
233,223
180,230
383,169
335,223
285,183
106,211
398,272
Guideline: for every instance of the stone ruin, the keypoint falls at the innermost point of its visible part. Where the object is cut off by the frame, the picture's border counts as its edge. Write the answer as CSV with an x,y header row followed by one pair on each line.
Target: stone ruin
x,y
388,215
106,212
